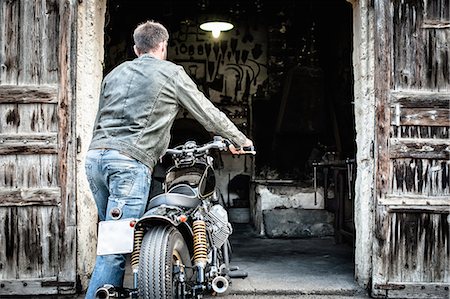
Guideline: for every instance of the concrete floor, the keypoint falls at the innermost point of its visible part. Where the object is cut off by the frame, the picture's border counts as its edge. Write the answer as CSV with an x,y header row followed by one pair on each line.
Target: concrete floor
x,y
315,268
294,267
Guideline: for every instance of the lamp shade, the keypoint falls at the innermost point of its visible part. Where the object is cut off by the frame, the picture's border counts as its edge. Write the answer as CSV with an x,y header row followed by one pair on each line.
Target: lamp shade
x,y
216,27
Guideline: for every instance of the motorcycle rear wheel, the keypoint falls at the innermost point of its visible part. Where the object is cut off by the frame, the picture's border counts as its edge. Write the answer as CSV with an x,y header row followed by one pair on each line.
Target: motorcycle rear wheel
x,y
162,247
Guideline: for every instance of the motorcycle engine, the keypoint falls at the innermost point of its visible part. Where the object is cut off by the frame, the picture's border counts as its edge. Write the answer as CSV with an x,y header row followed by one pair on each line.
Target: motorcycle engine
x,y
220,228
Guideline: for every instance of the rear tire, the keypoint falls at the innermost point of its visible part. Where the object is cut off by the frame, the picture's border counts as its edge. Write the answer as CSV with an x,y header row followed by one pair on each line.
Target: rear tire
x,y
161,247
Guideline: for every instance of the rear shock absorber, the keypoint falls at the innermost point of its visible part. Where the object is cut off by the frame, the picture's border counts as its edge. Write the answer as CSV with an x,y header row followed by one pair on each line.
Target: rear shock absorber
x,y
200,248
138,236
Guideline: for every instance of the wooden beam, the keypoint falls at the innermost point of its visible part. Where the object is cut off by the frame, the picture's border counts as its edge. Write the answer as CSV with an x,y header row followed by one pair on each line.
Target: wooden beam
x,y
44,143
421,99
418,209
27,286
435,24
415,289
437,117
416,200
425,148
12,94
30,197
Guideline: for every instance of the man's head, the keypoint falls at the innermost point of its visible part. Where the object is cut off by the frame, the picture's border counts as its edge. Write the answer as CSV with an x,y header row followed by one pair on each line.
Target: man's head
x,y
151,37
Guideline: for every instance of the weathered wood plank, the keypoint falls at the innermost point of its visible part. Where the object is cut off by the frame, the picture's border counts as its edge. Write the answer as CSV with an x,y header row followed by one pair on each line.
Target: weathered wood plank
x,y
29,197
17,287
28,148
419,148
415,200
435,209
435,24
8,244
420,116
29,94
9,118
49,171
383,84
420,132
28,143
38,242
415,290
421,55
418,247
419,177
8,171
420,99
28,137
67,273
9,28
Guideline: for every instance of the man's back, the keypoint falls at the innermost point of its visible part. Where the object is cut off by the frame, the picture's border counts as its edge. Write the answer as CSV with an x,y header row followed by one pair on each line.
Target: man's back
x,y
137,107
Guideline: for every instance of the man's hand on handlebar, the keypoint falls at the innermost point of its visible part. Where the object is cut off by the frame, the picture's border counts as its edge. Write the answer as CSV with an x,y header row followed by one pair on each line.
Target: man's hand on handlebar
x,y
247,148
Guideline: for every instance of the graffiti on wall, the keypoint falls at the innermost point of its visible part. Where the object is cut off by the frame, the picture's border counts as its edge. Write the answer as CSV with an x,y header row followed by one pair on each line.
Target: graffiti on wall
x,y
229,70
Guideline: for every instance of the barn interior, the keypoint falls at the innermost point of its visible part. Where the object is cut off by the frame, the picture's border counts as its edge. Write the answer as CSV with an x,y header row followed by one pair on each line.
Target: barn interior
x,y
283,75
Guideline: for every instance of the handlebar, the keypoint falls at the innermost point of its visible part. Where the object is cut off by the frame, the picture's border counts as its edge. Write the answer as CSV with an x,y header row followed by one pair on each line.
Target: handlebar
x,y
204,148
218,143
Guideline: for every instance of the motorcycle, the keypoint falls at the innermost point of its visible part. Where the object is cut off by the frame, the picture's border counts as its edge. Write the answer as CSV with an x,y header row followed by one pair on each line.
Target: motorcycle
x,y
180,246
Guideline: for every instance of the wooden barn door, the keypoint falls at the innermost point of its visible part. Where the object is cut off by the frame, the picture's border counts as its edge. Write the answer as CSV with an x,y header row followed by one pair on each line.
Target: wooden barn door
x,y
37,177
411,249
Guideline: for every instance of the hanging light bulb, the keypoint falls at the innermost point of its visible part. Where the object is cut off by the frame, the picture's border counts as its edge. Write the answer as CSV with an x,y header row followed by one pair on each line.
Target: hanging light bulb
x,y
216,27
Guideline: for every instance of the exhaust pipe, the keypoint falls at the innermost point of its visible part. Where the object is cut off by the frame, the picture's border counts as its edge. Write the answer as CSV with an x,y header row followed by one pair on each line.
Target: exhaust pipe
x,y
220,284
106,292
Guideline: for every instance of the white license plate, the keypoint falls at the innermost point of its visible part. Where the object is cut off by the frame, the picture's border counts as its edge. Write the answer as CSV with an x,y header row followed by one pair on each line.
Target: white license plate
x,y
115,237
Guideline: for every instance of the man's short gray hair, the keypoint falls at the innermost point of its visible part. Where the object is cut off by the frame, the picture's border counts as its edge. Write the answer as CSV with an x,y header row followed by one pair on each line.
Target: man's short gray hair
x,y
148,35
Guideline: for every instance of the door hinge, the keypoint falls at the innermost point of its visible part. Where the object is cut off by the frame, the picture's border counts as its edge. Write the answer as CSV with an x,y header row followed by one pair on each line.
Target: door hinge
x,y
78,144
372,149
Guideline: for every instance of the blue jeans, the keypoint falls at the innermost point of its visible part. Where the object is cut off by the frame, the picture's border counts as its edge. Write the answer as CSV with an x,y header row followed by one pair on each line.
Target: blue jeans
x,y
115,181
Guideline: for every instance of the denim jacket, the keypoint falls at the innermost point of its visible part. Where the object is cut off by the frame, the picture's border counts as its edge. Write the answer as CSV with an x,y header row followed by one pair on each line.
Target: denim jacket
x,y
139,101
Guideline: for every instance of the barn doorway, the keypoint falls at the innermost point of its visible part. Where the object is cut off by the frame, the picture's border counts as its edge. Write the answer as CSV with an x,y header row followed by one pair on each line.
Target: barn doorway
x,y
284,75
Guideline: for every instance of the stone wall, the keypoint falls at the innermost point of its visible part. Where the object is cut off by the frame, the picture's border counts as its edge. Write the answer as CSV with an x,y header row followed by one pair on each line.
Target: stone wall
x,y
288,210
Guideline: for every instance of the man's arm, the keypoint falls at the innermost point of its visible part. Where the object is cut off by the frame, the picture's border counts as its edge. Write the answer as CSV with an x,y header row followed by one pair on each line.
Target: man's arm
x,y
207,114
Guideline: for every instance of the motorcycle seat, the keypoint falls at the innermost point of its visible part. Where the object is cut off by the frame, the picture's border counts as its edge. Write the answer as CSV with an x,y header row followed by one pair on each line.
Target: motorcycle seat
x,y
183,189
174,199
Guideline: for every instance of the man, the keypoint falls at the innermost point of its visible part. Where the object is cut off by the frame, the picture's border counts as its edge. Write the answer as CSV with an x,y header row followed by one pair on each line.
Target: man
x,y
139,101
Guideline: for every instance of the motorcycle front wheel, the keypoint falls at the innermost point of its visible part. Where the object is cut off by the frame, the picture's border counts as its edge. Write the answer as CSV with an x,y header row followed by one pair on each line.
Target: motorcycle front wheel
x,y
162,247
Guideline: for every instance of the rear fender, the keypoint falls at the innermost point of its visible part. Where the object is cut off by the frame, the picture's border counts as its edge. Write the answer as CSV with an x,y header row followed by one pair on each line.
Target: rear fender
x,y
150,219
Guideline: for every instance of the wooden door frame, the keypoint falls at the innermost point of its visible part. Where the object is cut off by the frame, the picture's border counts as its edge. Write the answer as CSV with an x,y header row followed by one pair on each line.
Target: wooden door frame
x,y
67,145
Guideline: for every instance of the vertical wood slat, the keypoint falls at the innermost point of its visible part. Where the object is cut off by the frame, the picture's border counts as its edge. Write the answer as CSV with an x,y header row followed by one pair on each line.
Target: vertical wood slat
x,y
8,171
419,243
383,79
67,150
10,50
8,249
29,49
420,177
37,242
420,132
383,84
